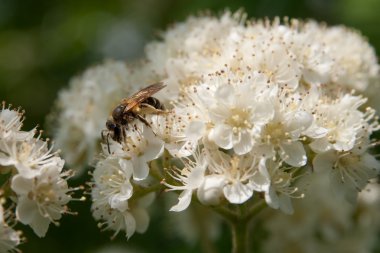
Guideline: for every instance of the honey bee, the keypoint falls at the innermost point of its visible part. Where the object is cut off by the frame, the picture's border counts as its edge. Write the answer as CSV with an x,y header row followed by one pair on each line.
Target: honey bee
x,y
129,109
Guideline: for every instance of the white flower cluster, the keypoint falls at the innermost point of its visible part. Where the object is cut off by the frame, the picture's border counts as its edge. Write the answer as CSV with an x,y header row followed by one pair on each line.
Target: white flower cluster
x,y
324,224
266,103
252,106
35,176
117,177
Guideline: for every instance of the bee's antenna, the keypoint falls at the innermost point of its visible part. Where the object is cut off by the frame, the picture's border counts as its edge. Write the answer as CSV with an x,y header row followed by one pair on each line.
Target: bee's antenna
x,y
108,143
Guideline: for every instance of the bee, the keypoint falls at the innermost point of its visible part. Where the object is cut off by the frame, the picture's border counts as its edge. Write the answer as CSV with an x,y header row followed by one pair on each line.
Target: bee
x,y
129,109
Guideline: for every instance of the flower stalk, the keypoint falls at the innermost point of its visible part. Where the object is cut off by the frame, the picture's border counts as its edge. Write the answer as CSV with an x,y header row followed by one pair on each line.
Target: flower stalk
x,y
240,233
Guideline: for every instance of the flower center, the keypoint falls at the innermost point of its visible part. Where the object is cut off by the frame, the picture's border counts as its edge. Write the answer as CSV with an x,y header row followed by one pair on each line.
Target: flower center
x,y
346,160
44,193
239,118
274,133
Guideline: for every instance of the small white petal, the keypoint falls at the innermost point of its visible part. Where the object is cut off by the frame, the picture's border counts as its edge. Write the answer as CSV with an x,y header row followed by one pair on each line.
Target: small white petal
x,y
245,144
140,169
271,198
222,136
26,210
210,192
316,132
184,200
21,185
260,182
298,122
142,219
237,193
320,145
130,224
40,225
371,162
195,130
324,162
293,154
286,204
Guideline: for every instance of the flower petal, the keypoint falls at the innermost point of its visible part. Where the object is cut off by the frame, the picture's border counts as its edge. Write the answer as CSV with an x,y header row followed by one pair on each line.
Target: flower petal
x,y
184,200
324,162
237,193
140,169
222,136
130,224
142,219
245,144
293,154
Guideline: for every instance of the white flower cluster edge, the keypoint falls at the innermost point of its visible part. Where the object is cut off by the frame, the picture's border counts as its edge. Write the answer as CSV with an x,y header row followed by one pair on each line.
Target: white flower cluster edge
x,y
40,192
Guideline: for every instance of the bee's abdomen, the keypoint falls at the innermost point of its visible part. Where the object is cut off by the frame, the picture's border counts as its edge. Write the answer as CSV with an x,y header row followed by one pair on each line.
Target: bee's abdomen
x,y
154,102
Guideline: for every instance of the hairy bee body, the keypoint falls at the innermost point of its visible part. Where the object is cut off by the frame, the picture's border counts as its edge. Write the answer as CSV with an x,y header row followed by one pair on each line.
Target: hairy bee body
x,y
129,109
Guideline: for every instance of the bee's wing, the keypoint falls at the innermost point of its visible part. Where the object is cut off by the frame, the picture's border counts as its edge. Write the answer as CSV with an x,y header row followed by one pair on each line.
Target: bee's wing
x,y
141,95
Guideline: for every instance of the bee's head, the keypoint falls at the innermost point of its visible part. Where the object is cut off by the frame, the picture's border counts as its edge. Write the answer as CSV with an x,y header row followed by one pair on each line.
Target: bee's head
x,y
111,125
118,112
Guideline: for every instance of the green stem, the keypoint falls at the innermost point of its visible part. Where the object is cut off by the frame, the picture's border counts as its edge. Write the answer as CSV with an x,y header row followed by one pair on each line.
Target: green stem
x,y
239,221
255,209
201,219
225,213
155,170
142,191
239,236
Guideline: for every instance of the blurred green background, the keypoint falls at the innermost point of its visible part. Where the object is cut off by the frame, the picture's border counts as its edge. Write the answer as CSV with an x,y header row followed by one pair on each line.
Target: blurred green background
x,y
43,43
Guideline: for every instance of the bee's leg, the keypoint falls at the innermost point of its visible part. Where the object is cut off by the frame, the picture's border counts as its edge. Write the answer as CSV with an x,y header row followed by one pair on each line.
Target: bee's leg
x,y
102,134
143,120
108,143
123,133
148,109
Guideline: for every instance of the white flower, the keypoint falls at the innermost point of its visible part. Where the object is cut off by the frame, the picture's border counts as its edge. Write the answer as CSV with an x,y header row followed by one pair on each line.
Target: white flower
x,y
279,64
349,171
230,110
10,126
41,199
241,175
9,238
134,217
171,128
112,195
113,184
190,177
139,147
355,62
338,124
210,192
29,156
283,132
236,118
313,55
281,187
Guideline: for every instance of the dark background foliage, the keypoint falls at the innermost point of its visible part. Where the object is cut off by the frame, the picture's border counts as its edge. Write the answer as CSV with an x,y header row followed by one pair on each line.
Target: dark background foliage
x,y
43,43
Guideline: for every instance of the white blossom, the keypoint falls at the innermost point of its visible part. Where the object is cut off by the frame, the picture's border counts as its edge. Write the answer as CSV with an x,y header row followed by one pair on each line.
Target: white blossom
x,y
139,147
132,217
191,177
349,171
41,199
40,189
9,238
29,156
